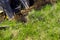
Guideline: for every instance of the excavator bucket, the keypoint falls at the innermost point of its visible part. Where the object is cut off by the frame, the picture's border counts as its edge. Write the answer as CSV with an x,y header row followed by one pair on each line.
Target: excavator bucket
x,y
1,9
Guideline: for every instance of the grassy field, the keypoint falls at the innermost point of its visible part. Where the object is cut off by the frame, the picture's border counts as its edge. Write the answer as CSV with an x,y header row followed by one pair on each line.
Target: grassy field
x,y
42,25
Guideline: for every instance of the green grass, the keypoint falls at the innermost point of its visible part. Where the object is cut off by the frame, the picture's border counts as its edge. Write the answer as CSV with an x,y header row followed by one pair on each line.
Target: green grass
x,y
42,25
